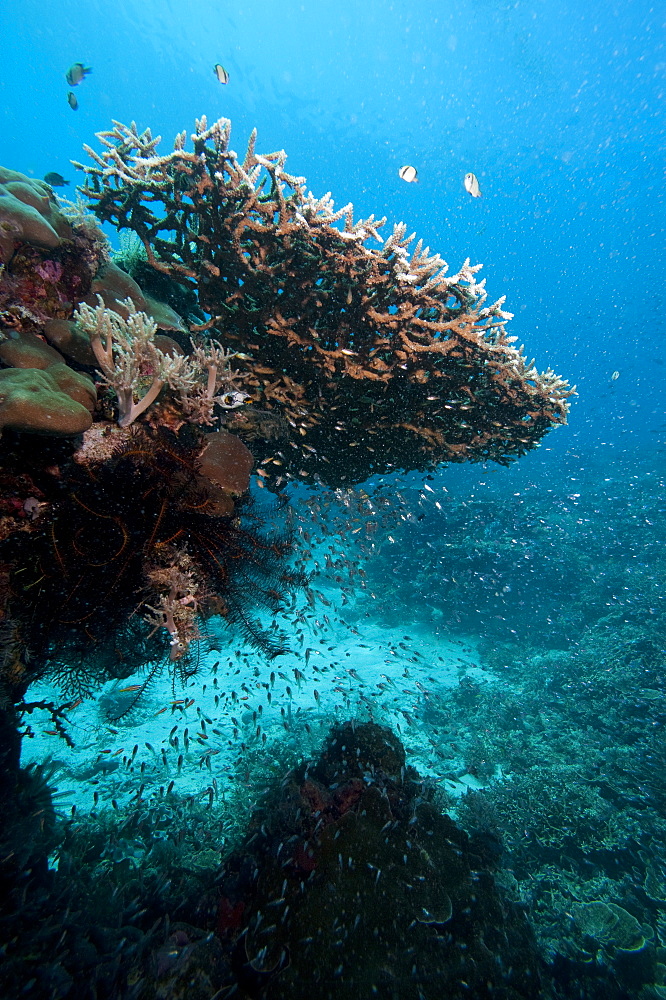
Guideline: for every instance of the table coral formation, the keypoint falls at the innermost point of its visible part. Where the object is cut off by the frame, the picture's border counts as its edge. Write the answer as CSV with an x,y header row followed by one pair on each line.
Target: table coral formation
x,y
353,358
128,529
372,358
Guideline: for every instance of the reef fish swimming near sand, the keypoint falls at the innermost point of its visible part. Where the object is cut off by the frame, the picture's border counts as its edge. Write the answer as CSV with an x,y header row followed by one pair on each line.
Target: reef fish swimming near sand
x,y
472,185
76,72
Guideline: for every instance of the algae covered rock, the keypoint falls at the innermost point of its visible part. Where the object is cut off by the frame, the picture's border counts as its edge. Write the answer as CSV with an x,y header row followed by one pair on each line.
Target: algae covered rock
x,y
352,883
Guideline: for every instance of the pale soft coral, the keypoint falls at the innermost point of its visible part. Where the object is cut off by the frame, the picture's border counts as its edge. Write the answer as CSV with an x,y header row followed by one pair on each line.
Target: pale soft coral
x,y
135,367
130,362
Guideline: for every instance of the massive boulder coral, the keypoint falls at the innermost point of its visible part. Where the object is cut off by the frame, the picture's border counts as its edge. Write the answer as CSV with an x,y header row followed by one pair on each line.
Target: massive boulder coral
x,y
50,400
54,256
372,358
29,213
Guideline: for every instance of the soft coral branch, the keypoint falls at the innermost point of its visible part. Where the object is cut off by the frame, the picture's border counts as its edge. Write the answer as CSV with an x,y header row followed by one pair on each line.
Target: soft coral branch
x,y
133,365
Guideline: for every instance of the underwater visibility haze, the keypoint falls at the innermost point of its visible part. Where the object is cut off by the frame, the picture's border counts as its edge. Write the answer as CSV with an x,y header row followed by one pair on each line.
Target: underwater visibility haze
x,y
332,573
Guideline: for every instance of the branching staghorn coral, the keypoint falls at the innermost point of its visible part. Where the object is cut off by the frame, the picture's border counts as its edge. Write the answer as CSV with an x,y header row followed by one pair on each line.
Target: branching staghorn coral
x,y
376,359
134,366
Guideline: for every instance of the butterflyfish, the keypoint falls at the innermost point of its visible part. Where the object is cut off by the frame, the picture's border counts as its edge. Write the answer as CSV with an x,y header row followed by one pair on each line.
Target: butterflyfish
x,y
408,174
472,185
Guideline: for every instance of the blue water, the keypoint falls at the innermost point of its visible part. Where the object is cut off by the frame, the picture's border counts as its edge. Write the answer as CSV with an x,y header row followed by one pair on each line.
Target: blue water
x,y
557,107
554,106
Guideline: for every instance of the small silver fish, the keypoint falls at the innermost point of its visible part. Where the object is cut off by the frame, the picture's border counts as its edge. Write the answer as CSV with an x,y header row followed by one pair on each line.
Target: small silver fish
x,y
615,376
76,73
408,174
72,101
221,73
472,185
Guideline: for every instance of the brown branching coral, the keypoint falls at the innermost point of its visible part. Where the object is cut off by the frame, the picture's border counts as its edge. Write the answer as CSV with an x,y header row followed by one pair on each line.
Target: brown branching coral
x,y
374,358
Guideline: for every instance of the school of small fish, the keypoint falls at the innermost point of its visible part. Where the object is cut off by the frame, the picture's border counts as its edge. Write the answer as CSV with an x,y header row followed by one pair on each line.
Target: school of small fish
x,y
240,709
